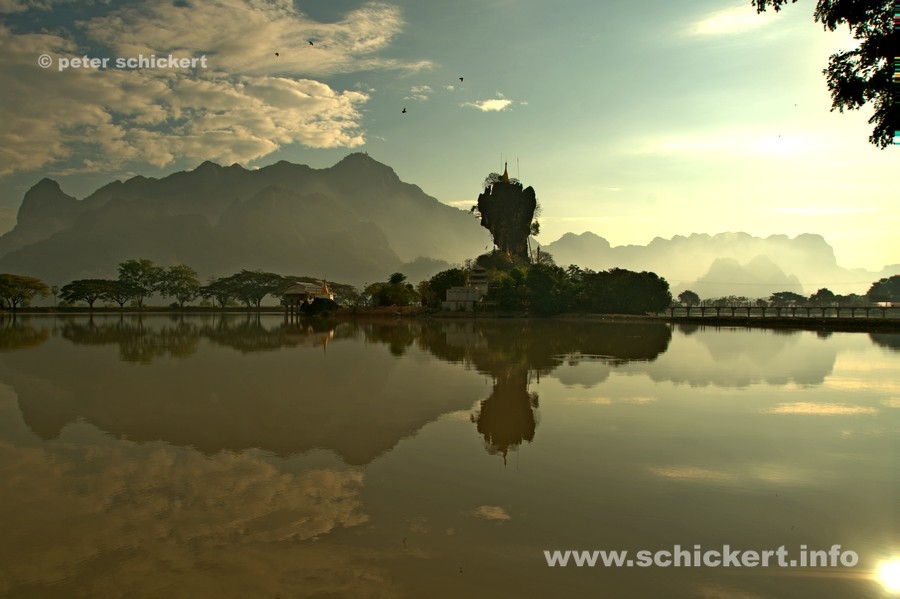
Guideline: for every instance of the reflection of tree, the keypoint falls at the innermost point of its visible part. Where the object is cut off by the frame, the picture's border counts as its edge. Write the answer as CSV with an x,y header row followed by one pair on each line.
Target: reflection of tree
x,y
137,343
398,336
507,417
16,334
888,340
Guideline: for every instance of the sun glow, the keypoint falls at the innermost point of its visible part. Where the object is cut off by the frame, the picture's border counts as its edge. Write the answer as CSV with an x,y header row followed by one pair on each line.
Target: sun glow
x,y
889,575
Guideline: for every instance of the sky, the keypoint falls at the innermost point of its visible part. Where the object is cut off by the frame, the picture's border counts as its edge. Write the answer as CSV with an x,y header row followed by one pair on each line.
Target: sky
x,y
633,120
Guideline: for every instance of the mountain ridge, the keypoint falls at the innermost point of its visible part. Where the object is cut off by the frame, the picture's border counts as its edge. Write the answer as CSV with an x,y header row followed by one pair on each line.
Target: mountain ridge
x,y
357,221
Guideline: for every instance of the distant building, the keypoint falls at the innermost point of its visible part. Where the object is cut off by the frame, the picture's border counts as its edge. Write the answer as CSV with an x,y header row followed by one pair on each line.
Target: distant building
x,y
478,279
461,299
307,292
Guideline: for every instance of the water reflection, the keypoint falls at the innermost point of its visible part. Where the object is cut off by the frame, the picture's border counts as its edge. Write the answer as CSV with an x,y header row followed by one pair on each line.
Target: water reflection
x,y
248,457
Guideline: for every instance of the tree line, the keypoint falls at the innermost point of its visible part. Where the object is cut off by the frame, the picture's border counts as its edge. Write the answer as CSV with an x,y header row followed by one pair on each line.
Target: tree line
x,y
886,290
139,279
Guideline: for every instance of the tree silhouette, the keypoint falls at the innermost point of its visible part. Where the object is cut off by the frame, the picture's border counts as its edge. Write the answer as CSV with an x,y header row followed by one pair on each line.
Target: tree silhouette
x,y
857,77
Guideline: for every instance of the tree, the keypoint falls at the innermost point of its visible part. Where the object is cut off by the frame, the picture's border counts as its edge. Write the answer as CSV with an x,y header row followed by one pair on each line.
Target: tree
x,y
822,297
251,286
85,290
142,277
885,290
118,292
787,298
689,298
857,77
220,290
434,291
19,289
180,281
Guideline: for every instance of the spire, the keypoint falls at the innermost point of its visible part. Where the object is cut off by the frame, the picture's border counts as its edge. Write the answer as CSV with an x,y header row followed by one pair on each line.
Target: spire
x,y
505,177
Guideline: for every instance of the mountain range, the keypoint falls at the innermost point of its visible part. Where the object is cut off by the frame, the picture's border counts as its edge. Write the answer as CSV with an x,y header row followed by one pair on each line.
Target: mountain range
x,y
357,222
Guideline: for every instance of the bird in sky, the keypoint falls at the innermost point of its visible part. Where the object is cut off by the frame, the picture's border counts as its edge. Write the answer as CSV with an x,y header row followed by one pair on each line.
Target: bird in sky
x,y
276,55
311,43
460,79
403,111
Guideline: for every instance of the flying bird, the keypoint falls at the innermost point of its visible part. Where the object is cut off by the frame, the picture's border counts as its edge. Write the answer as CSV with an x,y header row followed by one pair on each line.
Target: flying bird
x,y
311,43
276,55
403,111
460,79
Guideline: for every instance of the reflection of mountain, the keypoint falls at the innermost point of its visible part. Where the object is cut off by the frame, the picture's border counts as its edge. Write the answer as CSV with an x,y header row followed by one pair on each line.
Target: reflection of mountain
x,y
727,358
355,399
509,351
507,417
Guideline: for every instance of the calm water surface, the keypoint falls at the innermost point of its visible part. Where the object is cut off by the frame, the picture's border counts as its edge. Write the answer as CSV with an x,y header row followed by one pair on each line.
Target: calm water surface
x,y
247,457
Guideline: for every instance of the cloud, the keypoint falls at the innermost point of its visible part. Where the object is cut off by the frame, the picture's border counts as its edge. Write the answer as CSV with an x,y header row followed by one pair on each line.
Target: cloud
x,y
494,105
245,105
420,93
730,21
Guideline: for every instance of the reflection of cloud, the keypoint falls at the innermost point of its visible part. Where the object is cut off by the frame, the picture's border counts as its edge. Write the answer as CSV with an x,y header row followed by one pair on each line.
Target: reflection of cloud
x,y
804,407
491,512
171,511
893,402
693,473
749,473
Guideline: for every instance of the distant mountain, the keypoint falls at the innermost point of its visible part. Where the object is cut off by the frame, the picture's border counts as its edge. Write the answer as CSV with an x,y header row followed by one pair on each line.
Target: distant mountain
x,y
355,221
724,264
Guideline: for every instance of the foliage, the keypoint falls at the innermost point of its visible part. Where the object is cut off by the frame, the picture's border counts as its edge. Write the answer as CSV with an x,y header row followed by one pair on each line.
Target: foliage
x,y
142,277
689,298
19,289
85,290
620,291
822,297
180,281
862,75
885,290
434,291
789,298
118,292
394,292
251,286
548,289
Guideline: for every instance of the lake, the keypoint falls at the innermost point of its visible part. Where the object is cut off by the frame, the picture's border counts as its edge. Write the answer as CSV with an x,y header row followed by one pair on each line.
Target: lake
x,y
243,456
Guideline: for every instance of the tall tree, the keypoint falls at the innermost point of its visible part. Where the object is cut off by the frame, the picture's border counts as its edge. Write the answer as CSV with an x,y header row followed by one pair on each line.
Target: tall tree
x,y
19,289
142,276
180,281
862,75
885,290
118,292
689,298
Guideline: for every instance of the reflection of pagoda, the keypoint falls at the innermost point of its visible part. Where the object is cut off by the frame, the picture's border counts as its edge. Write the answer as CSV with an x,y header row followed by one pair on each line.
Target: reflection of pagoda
x,y
507,417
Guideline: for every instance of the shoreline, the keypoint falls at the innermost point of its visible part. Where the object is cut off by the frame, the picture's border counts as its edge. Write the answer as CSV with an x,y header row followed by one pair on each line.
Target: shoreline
x,y
808,323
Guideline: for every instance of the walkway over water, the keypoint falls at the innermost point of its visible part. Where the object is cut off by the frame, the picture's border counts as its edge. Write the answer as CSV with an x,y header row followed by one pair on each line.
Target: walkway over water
x,y
880,312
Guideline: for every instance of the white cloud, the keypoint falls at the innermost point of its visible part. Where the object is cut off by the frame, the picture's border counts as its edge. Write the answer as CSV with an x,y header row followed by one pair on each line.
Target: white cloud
x,y
494,105
245,105
419,93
